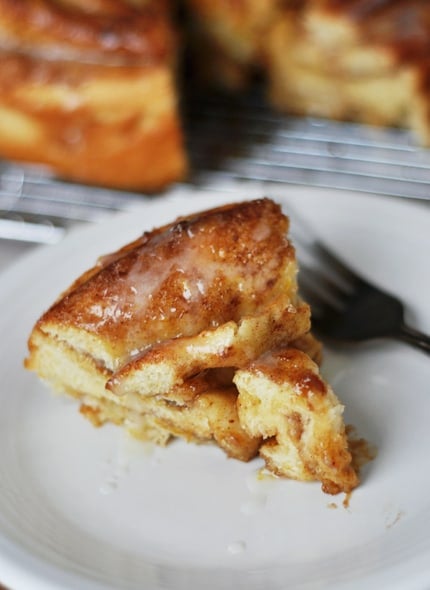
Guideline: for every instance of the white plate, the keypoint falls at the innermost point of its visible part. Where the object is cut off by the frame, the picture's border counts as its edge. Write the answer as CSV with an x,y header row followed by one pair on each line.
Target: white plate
x,y
85,508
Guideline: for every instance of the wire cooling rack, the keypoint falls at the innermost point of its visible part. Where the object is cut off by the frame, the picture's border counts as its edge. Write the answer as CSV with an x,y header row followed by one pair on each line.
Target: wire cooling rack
x,y
230,138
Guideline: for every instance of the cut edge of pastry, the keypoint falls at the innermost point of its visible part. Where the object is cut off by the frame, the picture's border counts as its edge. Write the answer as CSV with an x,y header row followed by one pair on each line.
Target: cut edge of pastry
x,y
283,398
251,386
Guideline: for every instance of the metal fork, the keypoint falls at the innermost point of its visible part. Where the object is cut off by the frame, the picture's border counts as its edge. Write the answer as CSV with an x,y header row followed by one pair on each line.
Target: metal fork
x,y
348,308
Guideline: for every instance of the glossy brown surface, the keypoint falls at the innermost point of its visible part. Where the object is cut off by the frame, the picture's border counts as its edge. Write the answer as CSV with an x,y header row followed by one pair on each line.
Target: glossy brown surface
x,y
226,276
196,330
192,275
292,365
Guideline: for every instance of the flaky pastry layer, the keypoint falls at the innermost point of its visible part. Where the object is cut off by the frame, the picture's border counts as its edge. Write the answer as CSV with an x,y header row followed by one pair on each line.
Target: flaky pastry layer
x,y
168,336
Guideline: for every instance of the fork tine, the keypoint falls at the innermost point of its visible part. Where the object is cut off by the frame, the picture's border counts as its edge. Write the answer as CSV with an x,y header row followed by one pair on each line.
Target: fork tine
x,y
320,290
325,282
347,274
323,277
345,306
312,249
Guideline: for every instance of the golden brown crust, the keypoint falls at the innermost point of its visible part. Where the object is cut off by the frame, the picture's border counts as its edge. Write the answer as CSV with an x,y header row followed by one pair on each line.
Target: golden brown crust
x,y
224,276
90,92
158,334
97,30
189,276
106,125
168,364
283,398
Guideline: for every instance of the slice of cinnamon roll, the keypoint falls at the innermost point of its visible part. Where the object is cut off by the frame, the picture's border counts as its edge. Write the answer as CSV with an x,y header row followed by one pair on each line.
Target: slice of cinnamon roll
x,y
88,90
152,336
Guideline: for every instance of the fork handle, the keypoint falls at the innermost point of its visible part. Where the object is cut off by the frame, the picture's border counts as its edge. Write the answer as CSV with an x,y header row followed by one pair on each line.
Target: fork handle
x,y
416,338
